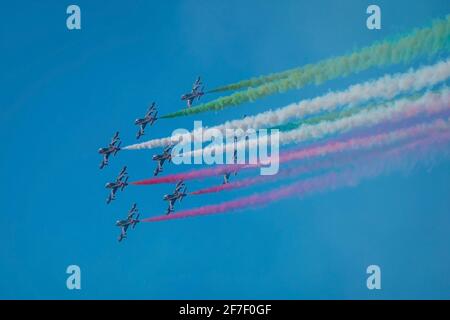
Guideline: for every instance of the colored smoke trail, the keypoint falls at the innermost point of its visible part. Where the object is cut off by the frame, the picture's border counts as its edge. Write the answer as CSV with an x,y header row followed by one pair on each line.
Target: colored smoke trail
x,y
421,42
412,154
398,110
386,87
331,116
195,174
317,150
352,158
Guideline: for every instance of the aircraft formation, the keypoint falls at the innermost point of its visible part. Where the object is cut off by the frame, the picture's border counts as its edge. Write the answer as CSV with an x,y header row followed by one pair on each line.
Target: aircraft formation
x,y
121,181
395,117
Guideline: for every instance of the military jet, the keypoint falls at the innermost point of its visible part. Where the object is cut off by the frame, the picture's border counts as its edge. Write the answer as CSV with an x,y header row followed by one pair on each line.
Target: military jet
x,y
177,195
116,185
112,148
149,118
130,220
196,93
161,158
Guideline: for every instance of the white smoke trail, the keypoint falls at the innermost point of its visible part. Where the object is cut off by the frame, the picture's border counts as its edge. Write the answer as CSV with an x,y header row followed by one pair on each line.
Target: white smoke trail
x,y
386,87
401,109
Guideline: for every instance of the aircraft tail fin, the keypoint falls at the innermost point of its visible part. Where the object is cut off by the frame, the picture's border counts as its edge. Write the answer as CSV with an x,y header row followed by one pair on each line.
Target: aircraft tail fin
x,y
136,221
118,148
183,194
125,183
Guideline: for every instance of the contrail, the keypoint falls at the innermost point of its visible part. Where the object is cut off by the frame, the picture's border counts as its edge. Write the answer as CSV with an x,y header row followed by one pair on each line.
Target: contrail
x,y
427,41
316,150
401,109
415,153
386,87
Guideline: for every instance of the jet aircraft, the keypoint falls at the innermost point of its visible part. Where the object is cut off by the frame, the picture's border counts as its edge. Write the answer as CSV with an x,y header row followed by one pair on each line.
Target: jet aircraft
x,y
161,158
149,118
112,148
196,93
176,195
129,221
118,184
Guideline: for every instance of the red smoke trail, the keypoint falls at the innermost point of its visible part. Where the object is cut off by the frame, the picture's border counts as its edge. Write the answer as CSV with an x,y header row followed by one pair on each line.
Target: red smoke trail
x,y
195,174
310,151
333,162
349,177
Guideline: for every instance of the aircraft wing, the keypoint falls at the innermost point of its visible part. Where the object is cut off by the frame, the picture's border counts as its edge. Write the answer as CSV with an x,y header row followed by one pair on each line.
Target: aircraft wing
x,y
168,148
104,160
115,139
179,185
130,215
170,208
132,210
120,177
149,113
154,118
196,84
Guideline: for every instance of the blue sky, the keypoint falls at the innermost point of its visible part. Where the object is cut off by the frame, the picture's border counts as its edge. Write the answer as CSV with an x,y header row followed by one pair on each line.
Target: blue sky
x,y
64,93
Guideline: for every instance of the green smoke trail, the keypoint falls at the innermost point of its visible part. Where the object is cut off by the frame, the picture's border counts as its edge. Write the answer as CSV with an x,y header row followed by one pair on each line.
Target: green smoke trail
x,y
427,41
408,40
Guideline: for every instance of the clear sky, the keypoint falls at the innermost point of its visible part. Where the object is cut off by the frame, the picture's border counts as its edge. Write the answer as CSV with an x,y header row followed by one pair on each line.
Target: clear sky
x,y
64,93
